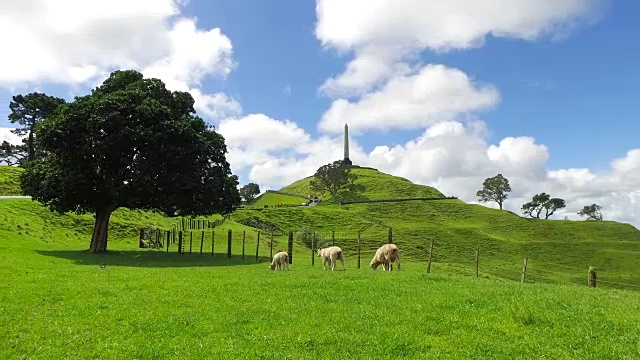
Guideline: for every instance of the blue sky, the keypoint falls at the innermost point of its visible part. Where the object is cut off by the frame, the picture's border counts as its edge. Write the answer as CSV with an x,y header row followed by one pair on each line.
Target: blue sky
x,y
572,92
575,95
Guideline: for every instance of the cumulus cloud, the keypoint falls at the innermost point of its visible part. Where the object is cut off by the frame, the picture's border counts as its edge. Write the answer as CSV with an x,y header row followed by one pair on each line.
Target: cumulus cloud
x,y
452,156
78,42
381,33
8,136
435,93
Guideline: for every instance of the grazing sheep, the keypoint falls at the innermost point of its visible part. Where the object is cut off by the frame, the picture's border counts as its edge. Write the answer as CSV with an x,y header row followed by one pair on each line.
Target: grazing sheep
x,y
385,256
331,254
280,261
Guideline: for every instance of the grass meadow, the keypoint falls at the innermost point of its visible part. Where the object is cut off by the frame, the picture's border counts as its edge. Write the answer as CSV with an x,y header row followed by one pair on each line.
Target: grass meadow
x,y
59,302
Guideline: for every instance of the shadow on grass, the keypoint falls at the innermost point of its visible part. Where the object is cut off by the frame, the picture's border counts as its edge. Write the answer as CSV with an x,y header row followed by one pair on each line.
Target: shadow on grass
x,y
154,259
352,192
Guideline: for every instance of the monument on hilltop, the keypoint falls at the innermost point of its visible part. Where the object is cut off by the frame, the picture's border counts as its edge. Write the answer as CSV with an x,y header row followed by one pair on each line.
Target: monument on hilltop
x,y
346,159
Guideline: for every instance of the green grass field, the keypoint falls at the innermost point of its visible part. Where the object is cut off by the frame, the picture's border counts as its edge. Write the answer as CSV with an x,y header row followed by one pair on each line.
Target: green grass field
x,y
57,301
273,199
558,251
10,181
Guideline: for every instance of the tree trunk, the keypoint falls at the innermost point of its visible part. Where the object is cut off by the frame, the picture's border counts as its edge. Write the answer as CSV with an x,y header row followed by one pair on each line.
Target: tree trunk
x,y
100,231
500,203
30,146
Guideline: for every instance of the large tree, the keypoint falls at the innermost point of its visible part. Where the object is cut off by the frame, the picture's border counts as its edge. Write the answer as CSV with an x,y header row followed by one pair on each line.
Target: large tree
x,y
130,143
29,111
249,192
332,177
494,189
592,212
542,201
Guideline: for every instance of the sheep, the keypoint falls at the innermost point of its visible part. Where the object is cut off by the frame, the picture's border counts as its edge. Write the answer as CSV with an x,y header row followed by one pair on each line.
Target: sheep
x,y
280,261
331,254
386,255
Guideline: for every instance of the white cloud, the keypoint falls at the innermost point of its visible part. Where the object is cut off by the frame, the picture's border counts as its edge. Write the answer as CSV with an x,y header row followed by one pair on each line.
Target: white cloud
x,y
452,156
8,136
77,42
384,32
434,93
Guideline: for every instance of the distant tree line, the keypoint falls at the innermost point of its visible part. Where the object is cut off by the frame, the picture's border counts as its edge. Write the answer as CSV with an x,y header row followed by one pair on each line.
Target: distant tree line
x,y
496,189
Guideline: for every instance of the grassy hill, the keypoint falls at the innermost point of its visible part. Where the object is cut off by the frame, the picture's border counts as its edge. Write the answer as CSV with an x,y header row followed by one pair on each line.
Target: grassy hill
x,y
370,185
557,250
10,180
272,199
154,304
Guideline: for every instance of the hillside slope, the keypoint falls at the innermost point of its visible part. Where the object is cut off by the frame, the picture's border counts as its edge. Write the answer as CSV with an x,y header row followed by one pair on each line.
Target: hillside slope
x,y
10,180
370,185
559,250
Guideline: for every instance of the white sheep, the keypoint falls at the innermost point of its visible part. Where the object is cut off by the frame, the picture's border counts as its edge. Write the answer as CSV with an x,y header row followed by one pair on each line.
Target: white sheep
x,y
280,261
331,254
386,255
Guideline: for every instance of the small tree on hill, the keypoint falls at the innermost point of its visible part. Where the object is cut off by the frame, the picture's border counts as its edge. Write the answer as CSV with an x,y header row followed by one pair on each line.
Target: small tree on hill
x,y
494,189
541,202
592,212
332,177
249,192
29,111
130,143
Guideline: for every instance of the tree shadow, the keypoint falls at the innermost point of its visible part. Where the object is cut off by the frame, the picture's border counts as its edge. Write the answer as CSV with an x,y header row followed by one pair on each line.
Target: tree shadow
x,y
156,259
352,192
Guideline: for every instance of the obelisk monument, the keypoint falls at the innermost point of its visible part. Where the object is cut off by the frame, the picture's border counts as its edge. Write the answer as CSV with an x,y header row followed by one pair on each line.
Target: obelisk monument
x,y
346,160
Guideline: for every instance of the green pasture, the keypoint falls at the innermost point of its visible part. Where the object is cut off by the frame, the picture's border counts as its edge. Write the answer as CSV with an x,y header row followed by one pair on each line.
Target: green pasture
x,y
10,180
58,301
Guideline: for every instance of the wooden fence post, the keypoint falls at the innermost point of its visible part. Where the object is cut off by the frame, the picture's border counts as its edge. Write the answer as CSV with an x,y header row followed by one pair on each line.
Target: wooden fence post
x,y
390,236
592,276
358,249
257,245
271,248
290,251
180,244
229,237
430,257
190,241
477,260
244,237
201,242
523,277
313,254
168,239
213,241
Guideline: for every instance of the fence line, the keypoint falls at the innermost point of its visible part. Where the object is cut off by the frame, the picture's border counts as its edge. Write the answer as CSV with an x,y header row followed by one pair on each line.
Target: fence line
x,y
224,243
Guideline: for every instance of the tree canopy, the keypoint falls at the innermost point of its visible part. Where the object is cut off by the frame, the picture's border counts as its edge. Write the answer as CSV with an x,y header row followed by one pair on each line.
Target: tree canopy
x,y
29,111
130,143
12,154
494,189
542,201
332,177
249,192
592,212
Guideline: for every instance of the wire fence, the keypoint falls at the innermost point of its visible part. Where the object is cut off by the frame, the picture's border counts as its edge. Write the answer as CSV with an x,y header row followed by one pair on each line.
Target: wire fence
x,y
487,259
